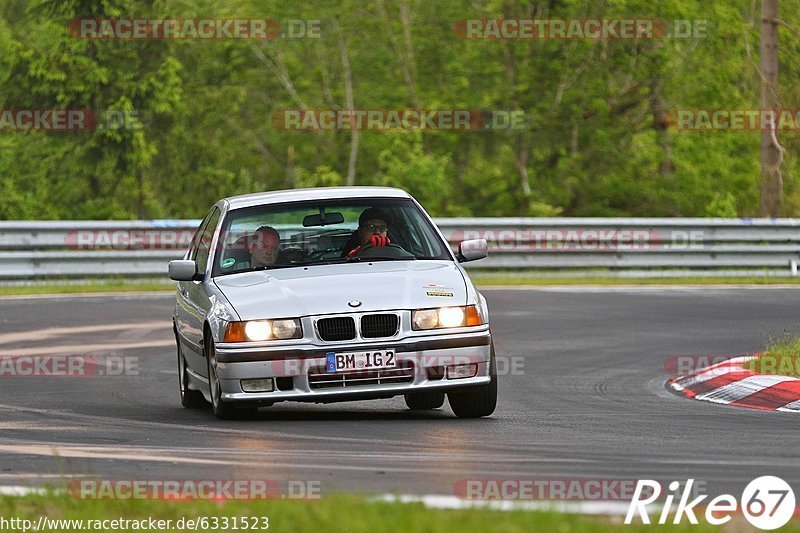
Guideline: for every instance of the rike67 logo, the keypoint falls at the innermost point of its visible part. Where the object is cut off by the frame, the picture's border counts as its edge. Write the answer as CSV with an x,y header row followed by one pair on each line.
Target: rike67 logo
x,y
767,502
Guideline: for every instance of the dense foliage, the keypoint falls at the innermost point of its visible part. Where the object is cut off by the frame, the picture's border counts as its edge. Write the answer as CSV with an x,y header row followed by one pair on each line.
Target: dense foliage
x,y
595,141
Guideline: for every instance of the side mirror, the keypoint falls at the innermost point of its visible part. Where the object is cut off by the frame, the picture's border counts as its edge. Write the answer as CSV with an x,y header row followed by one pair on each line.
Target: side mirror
x,y
472,250
182,270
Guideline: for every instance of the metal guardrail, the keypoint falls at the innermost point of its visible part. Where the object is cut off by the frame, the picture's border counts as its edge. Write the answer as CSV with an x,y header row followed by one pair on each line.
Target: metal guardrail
x,y
552,246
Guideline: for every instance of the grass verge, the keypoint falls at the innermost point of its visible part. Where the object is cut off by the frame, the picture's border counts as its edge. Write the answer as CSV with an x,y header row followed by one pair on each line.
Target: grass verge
x,y
86,286
782,357
480,279
332,513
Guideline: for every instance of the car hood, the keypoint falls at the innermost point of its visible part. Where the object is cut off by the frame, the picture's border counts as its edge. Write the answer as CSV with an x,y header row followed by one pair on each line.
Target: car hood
x,y
327,289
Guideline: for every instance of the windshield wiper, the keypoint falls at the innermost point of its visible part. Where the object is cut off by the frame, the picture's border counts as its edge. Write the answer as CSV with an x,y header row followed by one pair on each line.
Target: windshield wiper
x,y
322,262
334,261
267,267
379,258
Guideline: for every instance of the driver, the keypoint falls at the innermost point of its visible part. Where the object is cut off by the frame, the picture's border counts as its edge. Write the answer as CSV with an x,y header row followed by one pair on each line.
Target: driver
x,y
372,229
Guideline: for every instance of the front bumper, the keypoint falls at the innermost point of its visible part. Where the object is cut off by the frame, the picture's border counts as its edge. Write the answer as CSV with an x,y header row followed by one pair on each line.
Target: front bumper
x,y
428,356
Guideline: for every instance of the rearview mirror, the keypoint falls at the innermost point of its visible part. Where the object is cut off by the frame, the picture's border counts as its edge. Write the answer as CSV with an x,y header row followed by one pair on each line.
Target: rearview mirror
x,y
182,270
472,250
322,219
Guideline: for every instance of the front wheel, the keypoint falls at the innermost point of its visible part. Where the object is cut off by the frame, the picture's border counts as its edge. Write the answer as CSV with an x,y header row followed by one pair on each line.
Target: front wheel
x,y
222,409
478,402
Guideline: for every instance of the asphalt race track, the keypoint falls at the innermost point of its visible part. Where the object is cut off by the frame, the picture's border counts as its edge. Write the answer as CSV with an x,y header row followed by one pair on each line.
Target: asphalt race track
x,y
581,397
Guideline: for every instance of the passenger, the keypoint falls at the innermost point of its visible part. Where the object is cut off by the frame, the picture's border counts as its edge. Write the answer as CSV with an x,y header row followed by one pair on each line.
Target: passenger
x,y
264,246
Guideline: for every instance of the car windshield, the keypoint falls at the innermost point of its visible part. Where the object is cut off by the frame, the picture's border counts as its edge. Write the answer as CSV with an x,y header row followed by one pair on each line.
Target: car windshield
x,y
325,232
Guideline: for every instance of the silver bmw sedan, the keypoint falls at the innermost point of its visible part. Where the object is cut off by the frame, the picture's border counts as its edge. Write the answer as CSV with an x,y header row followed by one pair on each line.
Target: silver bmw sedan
x,y
329,295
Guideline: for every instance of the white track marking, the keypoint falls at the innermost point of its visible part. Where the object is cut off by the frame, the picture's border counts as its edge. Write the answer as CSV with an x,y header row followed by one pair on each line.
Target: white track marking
x,y
36,475
86,348
793,407
436,501
49,333
742,388
15,490
62,415
179,456
106,295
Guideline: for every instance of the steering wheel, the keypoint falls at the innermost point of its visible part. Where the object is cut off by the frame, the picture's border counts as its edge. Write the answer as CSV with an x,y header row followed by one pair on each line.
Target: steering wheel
x,y
392,250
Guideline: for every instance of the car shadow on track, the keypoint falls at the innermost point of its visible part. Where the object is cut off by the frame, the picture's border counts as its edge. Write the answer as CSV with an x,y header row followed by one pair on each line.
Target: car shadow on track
x,y
310,414
306,415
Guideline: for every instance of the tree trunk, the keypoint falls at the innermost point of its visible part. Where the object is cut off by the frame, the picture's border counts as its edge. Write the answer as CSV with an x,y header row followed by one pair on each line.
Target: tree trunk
x,y
523,151
658,109
354,132
771,150
666,165
290,175
140,181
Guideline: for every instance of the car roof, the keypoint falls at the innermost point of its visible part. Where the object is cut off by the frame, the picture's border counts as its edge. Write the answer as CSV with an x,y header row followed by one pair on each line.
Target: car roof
x,y
315,193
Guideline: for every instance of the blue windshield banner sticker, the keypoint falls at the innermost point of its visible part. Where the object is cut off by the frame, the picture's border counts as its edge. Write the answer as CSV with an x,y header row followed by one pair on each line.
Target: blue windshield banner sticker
x,y
331,357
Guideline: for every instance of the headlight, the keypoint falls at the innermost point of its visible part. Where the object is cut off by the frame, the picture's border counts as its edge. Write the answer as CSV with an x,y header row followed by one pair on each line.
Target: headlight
x,y
446,317
426,319
285,329
258,330
263,330
451,317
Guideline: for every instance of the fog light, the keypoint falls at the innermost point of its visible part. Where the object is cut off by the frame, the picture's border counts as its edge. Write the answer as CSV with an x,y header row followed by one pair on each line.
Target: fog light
x,y
462,371
258,385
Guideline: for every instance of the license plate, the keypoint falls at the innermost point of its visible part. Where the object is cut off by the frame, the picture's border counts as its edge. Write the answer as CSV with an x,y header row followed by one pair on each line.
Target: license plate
x,y
374,360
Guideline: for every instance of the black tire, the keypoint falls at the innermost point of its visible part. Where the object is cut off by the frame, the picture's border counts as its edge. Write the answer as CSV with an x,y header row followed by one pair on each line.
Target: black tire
x,y
190,399
420,401
478,402
222,409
